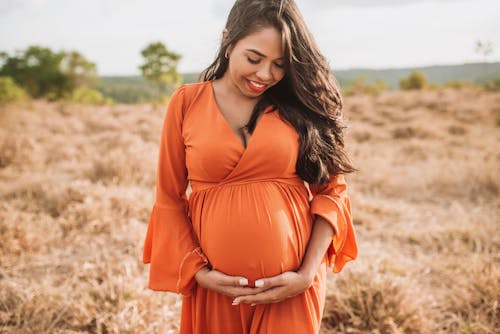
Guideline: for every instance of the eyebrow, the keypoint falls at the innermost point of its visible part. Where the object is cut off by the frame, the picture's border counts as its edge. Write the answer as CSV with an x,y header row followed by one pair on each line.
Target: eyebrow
x,y
261,54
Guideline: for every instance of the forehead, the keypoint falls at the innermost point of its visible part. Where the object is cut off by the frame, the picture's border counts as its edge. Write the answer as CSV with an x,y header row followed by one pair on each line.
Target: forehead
x,y
266,41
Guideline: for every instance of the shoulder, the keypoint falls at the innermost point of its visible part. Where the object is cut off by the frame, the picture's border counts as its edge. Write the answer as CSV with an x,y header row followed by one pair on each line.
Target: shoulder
x,y
183,98
186,94
194,87
192,90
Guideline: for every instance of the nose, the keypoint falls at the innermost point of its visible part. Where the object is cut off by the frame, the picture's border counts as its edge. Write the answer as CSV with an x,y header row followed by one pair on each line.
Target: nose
x,y
264,74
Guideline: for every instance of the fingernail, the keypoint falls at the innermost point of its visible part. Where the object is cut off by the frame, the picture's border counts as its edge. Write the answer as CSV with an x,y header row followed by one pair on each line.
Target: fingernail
x,y
253,304
259,283
243,281
235,302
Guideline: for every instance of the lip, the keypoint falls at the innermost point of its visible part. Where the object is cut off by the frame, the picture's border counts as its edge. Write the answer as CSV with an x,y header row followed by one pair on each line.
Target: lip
x,y
255,89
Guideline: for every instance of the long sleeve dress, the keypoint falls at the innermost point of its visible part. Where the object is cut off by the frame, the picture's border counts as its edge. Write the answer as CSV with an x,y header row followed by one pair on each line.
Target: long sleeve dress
x,y
249,214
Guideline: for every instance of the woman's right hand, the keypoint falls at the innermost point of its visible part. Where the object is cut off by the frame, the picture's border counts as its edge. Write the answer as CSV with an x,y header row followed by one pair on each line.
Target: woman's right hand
x,y
232,286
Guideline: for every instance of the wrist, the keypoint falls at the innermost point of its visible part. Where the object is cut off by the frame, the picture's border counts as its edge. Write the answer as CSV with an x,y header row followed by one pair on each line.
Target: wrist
x,y
201,272
307,275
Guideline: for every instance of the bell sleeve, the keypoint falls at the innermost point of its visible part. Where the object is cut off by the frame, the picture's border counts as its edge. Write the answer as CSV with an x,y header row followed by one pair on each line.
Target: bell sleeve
x,y
332,203
170,246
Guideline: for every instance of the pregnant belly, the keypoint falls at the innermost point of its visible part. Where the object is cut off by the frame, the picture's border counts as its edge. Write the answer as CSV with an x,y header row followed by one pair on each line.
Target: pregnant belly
x,y
254,230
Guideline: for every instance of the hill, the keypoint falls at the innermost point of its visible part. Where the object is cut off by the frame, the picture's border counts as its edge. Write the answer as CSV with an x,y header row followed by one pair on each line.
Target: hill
x,y
439,74
134,89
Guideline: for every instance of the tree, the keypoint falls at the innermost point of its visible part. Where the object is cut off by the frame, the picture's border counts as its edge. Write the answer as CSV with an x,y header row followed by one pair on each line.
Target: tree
x,y
160,66
37,70
10,92
485,49
416,80
79,70
44,73
360,85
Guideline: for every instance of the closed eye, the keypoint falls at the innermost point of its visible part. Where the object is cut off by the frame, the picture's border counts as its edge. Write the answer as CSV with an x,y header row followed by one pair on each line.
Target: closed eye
x,y
254,61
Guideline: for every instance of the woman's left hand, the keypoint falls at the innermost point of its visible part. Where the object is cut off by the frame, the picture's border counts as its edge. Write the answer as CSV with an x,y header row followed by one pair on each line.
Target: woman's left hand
x,y
278,288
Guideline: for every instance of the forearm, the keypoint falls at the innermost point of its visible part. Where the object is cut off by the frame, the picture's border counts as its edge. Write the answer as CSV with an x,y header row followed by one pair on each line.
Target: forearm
x,y
321,237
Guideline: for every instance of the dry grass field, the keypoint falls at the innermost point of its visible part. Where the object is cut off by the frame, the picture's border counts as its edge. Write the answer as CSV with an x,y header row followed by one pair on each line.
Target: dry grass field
x,y
77,185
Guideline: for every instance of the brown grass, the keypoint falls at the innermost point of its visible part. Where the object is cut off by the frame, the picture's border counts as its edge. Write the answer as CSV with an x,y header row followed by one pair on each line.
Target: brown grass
x,y
77,184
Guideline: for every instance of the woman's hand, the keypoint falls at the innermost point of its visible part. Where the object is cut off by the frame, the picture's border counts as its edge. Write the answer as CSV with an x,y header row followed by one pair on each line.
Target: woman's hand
x,y
292,283
231,286
277,288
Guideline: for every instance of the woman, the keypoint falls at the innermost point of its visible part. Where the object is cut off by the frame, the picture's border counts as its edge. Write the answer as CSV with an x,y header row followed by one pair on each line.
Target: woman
x,y
250,248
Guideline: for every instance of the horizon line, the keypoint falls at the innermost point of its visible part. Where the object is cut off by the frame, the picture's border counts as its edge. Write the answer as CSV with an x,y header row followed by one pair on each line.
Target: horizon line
x,y
345,69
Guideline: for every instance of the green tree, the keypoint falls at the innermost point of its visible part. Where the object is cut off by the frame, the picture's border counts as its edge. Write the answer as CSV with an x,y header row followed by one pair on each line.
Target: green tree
x,y
36,70
79,70
160,66
10,92
86,95
360,85
416,80
44,73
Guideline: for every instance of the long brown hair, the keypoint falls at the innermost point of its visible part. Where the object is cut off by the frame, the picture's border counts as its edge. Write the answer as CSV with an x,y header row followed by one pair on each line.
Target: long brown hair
x,y
308,96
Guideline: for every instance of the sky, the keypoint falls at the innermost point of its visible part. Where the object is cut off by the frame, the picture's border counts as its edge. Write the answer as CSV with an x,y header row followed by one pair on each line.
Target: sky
x,y
350,33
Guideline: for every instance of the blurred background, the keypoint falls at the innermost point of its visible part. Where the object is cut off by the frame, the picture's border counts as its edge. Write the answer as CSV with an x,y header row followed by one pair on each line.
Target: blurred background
x,y
115,48
83,91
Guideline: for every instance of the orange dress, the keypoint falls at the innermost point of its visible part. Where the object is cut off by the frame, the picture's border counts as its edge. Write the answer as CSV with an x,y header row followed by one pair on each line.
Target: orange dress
x,y
249,214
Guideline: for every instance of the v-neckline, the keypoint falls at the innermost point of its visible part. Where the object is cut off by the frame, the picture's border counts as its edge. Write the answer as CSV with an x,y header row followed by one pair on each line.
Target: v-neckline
x,y
228,126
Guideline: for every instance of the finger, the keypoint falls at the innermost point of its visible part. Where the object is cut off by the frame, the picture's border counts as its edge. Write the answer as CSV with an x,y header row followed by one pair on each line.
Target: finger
x,y
234,292
224,279
235,281
269,282
255,300
272,295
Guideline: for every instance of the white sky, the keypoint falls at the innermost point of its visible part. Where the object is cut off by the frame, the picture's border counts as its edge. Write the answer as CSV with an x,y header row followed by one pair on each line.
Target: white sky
x,y
350,33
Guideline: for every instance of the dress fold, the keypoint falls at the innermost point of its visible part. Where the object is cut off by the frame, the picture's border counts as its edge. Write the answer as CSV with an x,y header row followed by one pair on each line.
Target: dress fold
x,y
333,203
170,246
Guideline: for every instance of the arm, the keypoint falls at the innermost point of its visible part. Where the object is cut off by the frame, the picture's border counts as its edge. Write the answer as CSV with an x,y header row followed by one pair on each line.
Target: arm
x,y
319,242
332,203
171,246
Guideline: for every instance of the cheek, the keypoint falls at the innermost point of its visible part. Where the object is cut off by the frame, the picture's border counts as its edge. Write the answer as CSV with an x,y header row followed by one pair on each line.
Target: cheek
x,y
279,75
240,69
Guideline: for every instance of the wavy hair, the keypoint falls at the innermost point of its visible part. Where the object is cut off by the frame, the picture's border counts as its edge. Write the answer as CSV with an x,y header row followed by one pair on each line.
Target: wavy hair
x,y
308,96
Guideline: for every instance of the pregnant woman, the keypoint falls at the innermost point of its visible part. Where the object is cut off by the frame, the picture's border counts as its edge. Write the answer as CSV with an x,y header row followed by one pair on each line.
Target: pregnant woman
x,y
260,140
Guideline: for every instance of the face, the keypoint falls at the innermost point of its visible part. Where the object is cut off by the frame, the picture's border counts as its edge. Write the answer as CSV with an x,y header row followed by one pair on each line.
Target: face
x,y
256,62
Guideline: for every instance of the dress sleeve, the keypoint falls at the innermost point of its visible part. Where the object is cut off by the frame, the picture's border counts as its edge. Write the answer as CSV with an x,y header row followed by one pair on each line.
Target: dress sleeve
x,y
332,202
170,246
